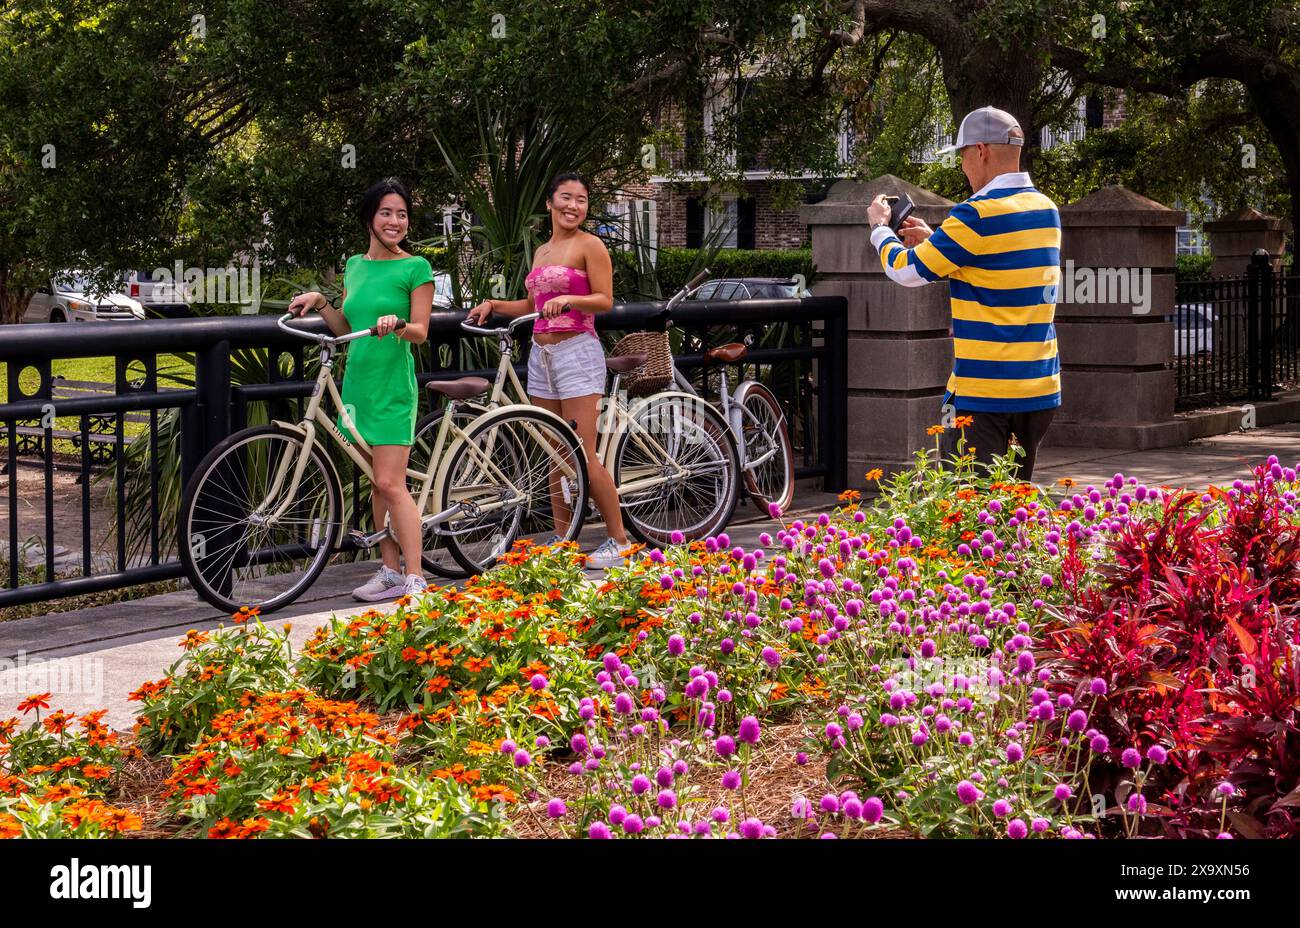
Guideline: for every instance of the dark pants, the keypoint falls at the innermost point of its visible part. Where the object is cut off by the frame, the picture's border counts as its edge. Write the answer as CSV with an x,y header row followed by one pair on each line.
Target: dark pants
x,y
991,432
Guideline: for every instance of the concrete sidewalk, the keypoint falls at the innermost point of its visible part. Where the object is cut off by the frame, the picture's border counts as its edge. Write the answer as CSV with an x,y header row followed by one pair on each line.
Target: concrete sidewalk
x,y
110,650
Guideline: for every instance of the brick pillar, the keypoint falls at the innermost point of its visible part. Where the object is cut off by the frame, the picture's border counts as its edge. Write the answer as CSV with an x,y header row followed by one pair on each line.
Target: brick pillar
x,y
1234,238
1116,383
900,347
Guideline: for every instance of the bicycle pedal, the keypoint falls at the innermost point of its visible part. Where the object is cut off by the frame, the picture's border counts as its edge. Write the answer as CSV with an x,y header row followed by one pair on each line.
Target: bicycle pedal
x,y
362,540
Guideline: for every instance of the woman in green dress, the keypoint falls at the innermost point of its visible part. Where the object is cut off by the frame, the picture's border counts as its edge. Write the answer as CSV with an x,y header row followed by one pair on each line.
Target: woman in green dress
x,y
379,391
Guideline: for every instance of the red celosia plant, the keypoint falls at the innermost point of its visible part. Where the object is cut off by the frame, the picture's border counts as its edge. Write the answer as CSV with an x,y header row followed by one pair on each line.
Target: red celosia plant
x,y
1191,621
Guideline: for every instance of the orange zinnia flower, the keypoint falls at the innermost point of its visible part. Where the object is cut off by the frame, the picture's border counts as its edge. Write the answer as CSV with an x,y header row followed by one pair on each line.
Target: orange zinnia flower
x,y
38,701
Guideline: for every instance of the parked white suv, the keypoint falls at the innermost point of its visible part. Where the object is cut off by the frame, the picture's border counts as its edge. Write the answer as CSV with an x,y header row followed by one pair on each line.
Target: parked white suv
x,y
160,299
70,297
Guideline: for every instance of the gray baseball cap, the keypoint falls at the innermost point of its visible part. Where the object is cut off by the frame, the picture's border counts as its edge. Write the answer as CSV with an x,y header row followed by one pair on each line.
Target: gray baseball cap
x,y
986,124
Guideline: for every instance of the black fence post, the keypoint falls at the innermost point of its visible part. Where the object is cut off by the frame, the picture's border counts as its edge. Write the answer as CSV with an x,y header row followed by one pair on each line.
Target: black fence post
x,y
1259,334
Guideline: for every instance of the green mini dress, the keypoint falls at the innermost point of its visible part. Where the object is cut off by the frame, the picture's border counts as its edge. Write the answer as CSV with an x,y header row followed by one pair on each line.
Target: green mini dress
x,y
379,373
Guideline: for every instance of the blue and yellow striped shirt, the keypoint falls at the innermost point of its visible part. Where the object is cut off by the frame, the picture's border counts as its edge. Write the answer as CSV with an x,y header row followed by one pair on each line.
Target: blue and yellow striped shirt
x,y
1001,253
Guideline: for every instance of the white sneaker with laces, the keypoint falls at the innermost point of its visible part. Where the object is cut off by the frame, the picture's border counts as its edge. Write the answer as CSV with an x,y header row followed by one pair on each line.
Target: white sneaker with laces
x,y
415,585
607,555
385,584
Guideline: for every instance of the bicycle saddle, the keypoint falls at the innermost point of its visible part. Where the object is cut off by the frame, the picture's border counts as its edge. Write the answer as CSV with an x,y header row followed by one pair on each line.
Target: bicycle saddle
x,y
462,388
727,354
624,363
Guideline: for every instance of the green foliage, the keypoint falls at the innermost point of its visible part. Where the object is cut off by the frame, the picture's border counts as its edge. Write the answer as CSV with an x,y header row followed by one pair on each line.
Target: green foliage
x,y
1193,267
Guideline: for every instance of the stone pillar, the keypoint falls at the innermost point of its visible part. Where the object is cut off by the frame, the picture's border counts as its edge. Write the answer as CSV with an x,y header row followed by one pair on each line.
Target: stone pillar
x,y
1115,342
900,346
1234,238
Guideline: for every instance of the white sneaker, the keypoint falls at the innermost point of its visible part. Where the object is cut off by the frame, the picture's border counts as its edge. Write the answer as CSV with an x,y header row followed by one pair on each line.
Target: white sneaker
x,y
415,586
607,555
385,584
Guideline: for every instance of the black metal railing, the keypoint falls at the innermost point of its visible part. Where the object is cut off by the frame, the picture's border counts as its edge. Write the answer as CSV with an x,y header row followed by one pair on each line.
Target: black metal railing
x,y
110,502
1236,338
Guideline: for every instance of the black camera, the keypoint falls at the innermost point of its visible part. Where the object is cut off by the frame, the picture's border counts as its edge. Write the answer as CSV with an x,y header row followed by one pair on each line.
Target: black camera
x,y
900,207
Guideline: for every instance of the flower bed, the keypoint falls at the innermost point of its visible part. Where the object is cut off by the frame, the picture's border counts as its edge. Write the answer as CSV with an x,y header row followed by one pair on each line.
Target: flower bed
x,y
966,656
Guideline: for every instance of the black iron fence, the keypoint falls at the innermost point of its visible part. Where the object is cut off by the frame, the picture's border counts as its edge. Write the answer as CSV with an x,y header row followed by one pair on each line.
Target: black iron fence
x,y
94,477
1236,338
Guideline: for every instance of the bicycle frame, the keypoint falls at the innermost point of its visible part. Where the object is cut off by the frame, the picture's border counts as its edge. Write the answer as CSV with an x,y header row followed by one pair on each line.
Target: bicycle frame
x,y
359,451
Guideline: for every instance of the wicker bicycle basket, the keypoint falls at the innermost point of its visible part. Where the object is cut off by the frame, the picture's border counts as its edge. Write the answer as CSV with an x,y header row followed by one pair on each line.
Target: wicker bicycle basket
x,y
657,371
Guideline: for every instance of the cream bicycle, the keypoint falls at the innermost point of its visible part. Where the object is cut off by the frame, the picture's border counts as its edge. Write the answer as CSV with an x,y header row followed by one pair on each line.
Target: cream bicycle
x,y
263,513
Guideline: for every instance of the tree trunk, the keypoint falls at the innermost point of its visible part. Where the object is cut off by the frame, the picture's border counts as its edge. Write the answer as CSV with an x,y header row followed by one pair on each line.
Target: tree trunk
x,y
982,74
1277,100
13,299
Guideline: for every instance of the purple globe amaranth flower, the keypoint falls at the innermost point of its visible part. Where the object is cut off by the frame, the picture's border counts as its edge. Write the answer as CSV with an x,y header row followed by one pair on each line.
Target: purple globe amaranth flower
x,y
1157,754
579,743
1225,788
1016,828
731,779
623,704
1098,686
830,803
616,814
676,645
801,758
750,731
537,681
598,830
556,808
1077,720
968,792
640,783
872,810
522,758
1015,752
751,828
664,777
633,824
1130,757
771,658
1062,792
725,746
666,799
1001,807
1100,744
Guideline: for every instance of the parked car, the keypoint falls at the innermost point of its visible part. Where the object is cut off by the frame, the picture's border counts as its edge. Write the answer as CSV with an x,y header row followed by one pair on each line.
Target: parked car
x,y
1193,328
442,291
749,288
70,297
164,299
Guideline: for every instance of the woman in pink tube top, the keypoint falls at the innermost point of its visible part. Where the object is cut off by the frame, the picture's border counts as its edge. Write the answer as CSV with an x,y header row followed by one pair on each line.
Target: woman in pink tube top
x,y
572,279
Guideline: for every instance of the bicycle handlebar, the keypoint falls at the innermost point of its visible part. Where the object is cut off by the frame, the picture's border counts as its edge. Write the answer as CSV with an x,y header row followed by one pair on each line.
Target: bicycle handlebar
x,y
509,328
283,321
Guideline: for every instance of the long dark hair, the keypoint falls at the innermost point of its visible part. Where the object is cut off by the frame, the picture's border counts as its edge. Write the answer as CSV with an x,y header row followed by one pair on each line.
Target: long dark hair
x,y
371,199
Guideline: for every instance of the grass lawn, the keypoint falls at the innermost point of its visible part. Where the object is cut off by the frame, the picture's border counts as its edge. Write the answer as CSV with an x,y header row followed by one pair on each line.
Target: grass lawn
x,y
94,370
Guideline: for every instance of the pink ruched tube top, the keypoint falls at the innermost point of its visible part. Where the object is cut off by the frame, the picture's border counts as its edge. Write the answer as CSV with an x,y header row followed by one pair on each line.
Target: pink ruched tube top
x,y
552,280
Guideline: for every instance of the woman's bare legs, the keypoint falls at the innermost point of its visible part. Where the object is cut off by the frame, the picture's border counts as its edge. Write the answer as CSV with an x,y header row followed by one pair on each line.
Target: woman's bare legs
x,y
391,498
584,410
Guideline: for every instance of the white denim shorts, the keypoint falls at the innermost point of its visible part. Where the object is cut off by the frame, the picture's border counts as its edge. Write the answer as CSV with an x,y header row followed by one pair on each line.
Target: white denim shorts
x,y
567,369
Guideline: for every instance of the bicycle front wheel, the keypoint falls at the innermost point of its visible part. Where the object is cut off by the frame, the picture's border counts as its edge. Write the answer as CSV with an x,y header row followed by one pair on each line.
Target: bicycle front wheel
x,y
248,535
676,470
769,456
514,475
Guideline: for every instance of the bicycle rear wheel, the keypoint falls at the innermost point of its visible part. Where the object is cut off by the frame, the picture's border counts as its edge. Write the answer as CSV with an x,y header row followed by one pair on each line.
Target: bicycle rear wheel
x,y
766,436
437,557
676,470
503,477
234,547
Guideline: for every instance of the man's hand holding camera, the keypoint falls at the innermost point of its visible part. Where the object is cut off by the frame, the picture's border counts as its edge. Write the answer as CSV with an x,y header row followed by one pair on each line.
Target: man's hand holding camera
x,y
913,231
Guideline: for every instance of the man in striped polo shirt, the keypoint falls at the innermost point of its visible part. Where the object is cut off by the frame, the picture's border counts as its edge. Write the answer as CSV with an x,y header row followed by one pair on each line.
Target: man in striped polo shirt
x,y
1000,251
